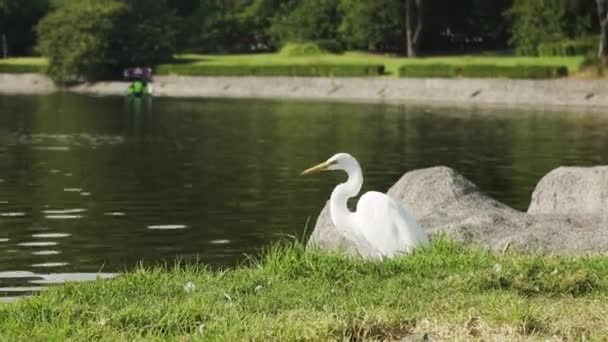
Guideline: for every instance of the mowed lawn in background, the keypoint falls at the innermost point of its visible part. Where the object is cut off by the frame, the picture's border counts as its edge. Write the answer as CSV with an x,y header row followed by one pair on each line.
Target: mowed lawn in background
x,y
23,64
391,63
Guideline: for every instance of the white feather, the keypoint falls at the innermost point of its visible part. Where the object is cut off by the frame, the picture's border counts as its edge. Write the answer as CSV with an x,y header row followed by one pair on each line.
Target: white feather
x,y
383,222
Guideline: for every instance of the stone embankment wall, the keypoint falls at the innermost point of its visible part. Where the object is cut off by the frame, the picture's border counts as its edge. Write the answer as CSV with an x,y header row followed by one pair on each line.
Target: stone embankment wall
x,y
561,93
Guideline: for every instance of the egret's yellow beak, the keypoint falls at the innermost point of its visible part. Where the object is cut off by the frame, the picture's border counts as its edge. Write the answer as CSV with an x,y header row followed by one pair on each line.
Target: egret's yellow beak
x,y
316,169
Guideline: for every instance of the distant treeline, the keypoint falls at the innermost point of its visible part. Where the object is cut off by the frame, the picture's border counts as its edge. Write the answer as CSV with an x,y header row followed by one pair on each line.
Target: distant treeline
x,y
150,31
378,25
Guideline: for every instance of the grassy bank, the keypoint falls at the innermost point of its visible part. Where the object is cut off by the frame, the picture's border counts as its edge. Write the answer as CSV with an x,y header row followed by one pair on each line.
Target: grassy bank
x,y
391,64
347,64
446,292
22,65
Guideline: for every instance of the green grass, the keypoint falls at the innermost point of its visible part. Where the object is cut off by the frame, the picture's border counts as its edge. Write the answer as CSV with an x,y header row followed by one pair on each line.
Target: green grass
x,y
23,65
447,292
301,49
391,63
305,70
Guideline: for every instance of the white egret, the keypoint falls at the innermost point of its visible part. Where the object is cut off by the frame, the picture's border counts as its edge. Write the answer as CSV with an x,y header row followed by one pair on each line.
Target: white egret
x,y
379,219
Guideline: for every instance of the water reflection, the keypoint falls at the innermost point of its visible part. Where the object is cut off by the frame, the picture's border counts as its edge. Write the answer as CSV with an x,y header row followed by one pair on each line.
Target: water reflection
x,y
36,282
91,182
37,244
167,226
14,214
45,252
62,217
50,235
50,264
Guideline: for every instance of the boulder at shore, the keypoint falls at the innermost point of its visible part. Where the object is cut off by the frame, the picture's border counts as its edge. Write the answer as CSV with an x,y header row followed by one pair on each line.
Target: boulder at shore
x,y
568,213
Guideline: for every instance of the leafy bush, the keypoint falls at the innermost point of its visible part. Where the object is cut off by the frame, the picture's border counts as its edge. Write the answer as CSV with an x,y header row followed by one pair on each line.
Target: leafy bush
x,y
483,71
579,47
429,70
90,39
373,25
301,49
331,45
75,38
592,61
543,21
309,70
309,20
514,71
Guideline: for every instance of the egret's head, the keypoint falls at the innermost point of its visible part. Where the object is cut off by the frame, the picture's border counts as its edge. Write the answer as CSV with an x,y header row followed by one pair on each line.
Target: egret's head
x,y
340,161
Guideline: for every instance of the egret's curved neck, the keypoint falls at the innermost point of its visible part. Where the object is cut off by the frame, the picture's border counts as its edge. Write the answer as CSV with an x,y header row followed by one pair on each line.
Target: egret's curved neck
x,y
339,211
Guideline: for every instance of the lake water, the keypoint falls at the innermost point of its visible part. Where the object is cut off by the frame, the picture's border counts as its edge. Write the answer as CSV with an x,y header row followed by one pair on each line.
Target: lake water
x,y
97,184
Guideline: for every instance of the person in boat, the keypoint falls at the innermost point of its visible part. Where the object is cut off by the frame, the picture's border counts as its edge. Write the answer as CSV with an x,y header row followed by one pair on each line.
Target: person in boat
x,y
140,85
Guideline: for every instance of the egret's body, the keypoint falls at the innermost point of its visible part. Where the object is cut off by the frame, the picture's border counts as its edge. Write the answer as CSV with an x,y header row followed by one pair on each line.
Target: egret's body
x,y
379,219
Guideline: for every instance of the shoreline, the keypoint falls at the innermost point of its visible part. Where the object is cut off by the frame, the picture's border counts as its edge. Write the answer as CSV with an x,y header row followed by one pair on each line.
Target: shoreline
x,y
556,94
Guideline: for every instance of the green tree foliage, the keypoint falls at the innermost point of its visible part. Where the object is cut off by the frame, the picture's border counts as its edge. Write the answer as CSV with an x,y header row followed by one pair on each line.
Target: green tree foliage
x,y
17,19
373,25
76,37
546,21
465,25
312,20
256,18
212,27
215,26
230,25
96,38
144,31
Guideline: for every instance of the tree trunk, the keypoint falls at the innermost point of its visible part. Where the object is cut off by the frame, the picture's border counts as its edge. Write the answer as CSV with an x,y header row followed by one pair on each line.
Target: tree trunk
x,y
409,46
602,13
4,46
413,36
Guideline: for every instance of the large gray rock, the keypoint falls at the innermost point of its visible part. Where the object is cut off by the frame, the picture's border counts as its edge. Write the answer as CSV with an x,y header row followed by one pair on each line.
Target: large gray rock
x,y
572,191
444,201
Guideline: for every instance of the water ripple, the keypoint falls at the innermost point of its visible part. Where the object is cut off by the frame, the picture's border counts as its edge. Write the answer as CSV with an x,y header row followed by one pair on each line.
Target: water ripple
x,y
50,235
115,213
22,289
51,264
62,217
168,227
73,190
17,274
64,211
52,148
38,244
13,214
60,278
219,242
49,252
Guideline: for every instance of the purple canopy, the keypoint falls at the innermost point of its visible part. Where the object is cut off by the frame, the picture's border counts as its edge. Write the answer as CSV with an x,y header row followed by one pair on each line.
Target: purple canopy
x,y
141,73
